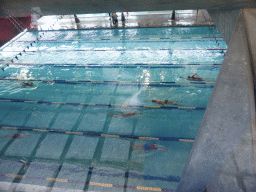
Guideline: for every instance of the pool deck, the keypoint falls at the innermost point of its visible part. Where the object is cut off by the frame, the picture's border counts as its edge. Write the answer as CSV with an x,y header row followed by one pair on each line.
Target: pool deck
x,y
132,20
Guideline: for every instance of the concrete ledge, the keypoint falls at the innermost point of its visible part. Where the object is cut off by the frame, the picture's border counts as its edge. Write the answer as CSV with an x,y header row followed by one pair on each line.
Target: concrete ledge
x,y
223,153
225,21
250,21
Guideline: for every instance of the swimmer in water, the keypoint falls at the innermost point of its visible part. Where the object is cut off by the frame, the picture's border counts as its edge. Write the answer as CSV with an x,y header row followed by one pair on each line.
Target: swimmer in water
x,y
194,78
148,147
163,102
121,114
27,84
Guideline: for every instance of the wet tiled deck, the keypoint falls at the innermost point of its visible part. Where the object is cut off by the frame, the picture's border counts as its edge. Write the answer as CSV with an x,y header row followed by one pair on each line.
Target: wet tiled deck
x,y
132,20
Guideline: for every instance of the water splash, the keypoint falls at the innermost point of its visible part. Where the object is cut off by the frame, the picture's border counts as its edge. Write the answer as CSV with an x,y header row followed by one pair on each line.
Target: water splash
x,y
24,75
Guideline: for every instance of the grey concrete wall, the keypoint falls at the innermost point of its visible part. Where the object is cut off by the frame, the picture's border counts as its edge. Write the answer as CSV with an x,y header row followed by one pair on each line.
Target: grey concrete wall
x,y
250,21
225,21
223,155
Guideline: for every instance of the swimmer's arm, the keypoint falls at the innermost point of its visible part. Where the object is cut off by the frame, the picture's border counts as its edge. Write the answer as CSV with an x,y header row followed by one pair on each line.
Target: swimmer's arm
x,y
194,75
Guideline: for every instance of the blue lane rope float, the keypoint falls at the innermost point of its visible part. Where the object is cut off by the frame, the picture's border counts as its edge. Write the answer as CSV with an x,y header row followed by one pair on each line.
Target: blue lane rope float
x,y
112,64
129,39
67,50
102,105
109,82
215,37
99,134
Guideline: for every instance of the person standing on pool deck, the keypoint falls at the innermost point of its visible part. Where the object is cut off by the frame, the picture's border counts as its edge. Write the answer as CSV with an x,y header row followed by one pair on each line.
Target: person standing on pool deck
x,y
114,17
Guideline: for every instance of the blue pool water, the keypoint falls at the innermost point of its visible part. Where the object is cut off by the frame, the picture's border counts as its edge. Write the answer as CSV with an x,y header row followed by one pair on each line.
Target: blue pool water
x,y
88,121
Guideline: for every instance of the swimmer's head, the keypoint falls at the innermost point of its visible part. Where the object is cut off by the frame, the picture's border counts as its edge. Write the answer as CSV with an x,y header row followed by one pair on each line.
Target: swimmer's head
x,y
31,83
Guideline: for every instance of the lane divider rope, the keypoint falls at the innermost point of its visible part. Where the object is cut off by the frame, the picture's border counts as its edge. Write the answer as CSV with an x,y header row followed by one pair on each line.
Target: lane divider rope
x,y
67,50
99,171
87,183
102,105
110,64
110,82
98,134
127,39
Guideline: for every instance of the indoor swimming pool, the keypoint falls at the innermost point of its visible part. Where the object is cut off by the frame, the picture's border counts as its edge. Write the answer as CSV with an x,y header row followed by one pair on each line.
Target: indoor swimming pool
x,y
105,109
